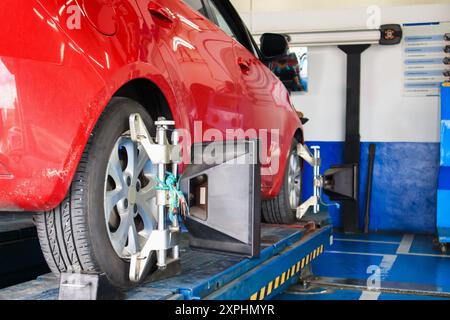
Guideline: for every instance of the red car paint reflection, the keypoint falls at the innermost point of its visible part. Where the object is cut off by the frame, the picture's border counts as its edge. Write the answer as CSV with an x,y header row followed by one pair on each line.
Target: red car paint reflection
x,y
55,81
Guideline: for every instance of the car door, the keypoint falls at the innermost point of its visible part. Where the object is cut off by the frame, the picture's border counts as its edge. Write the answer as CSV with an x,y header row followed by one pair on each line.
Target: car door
x,y
200,60
263,101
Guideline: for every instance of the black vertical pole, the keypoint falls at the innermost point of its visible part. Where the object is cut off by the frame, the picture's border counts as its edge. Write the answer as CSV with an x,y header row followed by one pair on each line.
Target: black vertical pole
x,y
372,148
350,208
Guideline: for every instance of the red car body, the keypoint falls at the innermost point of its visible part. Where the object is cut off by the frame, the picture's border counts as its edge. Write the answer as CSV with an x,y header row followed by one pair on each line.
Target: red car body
x,y
55,81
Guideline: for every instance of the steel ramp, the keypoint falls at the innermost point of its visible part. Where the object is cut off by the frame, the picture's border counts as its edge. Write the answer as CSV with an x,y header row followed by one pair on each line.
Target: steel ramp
x,y
286,251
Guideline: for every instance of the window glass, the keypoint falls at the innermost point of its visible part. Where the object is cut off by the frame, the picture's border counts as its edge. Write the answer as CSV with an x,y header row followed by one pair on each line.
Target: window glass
x,y
197,5
292,69
221,22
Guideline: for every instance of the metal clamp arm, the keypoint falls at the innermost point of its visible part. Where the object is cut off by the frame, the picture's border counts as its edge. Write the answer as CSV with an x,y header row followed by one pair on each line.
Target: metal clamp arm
x,y
305,154
158,152
315,162
162,238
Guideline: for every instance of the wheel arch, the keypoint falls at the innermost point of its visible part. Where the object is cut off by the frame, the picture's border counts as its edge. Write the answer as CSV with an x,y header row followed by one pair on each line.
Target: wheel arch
x,y
142,90
149,95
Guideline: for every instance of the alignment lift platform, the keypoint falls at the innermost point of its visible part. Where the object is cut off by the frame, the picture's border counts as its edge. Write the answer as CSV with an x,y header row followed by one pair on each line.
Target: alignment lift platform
x,y
227,253
287,253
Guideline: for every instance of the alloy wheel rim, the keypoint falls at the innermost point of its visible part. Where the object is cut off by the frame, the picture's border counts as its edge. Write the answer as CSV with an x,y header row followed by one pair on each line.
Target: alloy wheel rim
x,y
129,197
294,181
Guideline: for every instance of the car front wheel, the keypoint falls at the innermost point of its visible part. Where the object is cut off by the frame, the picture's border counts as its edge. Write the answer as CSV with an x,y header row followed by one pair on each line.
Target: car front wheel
x,y
110,209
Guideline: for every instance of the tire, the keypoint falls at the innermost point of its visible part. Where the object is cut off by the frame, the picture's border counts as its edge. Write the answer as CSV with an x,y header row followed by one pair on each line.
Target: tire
x,y
75,235
279,209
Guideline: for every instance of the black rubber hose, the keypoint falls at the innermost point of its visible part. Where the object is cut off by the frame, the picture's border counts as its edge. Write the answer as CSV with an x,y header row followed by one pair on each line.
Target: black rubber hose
x,y
372,149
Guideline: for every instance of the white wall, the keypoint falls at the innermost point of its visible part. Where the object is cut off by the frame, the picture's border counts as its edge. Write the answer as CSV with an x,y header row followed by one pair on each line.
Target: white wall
x,y
386,115
298,5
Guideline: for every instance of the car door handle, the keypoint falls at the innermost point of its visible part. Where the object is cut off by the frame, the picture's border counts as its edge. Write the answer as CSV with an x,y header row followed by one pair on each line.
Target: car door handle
x,y
244,65
160,12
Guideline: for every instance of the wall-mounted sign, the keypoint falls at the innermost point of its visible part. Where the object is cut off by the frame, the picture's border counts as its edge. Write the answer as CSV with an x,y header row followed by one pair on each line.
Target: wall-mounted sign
x,y
426,58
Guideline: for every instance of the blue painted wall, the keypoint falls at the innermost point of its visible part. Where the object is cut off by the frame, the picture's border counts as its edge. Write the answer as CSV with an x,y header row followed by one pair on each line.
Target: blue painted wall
x,y
405,182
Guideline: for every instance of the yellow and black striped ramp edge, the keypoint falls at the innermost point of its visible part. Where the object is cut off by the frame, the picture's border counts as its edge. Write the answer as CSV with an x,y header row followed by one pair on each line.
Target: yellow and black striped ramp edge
x,y
280,279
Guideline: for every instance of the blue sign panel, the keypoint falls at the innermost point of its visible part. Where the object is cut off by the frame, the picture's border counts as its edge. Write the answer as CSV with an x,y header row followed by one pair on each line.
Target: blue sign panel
x,y
443,206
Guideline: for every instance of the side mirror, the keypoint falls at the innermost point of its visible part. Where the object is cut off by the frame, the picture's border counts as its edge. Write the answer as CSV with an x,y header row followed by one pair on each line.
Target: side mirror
x,y
274,45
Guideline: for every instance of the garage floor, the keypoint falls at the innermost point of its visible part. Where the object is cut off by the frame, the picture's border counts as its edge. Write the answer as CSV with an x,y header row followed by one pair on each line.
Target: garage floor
x,y
410,268
20,254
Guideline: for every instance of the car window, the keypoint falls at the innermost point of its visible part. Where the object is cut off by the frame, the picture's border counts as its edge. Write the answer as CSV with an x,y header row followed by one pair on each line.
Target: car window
x,y
221,22
253,47
197,5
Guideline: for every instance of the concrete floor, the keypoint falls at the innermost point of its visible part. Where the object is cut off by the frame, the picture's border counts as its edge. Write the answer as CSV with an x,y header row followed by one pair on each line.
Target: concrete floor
x,y
20,254
409,267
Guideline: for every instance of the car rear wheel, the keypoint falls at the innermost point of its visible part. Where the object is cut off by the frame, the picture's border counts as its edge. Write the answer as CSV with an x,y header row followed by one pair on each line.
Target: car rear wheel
x,y
282,208
110,209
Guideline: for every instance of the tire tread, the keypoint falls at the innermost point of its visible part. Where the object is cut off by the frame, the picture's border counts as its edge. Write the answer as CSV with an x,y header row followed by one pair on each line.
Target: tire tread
x,y
63,231
277,210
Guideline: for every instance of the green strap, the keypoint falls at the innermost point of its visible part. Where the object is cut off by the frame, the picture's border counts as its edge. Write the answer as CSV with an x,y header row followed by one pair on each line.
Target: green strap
x,y
176,197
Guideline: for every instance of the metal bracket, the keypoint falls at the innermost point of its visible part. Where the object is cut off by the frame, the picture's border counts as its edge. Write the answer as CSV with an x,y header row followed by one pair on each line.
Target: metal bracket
x,y
315,161
164,237
158,241
305,154
303,208
163,152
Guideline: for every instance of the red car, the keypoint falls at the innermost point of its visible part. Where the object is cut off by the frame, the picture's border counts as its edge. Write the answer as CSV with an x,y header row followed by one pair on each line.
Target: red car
x,y
71,73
